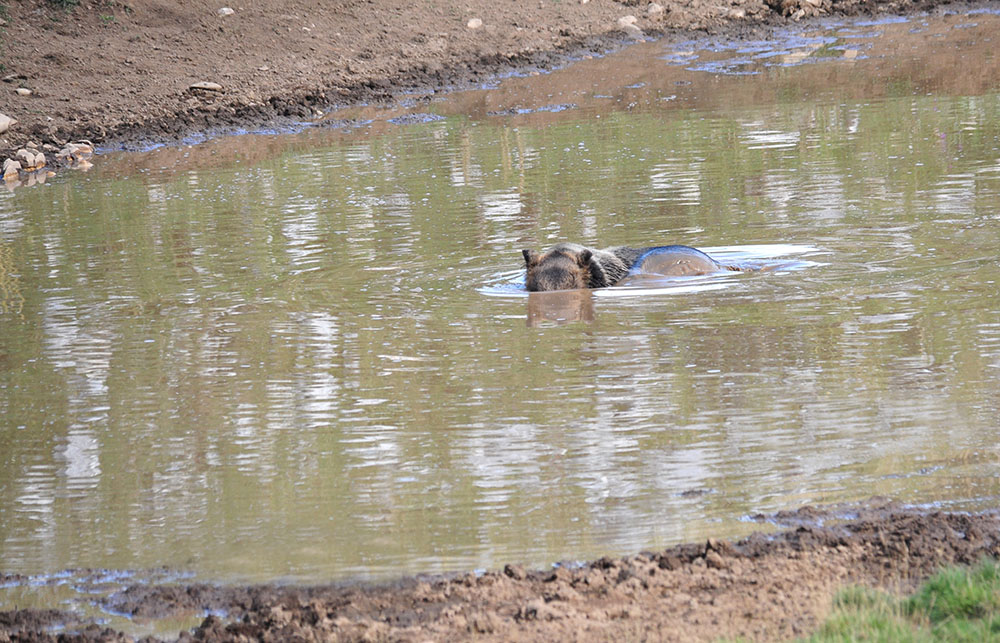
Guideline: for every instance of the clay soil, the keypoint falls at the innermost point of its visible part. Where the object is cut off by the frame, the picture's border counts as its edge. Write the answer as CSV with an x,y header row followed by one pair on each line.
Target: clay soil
x,y
120,74
764,587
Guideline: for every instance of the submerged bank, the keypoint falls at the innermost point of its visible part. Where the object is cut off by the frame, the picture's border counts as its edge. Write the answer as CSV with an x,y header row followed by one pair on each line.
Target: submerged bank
x,y
119,74
764,587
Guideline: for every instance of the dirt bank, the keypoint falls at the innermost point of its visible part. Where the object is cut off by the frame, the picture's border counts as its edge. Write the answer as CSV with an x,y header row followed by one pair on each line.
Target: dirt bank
x,y
764,587
120,73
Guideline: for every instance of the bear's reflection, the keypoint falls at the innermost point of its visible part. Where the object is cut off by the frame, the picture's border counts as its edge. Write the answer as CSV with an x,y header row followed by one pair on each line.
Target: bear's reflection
x,y
560,307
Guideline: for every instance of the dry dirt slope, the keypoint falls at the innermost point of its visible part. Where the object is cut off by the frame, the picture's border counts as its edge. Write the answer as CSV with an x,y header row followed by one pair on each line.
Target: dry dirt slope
x,y
115,71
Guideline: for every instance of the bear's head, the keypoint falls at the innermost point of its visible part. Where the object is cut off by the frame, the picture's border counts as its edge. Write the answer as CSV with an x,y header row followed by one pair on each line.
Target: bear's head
x,y
564,267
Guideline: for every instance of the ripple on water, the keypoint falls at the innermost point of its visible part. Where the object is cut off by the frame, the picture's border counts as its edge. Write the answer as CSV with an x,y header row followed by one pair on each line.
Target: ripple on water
x,y
765,257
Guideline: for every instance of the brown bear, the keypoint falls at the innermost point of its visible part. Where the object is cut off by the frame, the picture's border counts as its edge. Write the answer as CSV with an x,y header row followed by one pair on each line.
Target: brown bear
x,y
569,266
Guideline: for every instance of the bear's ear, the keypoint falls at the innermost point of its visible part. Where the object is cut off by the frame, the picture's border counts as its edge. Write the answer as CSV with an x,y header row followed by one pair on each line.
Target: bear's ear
x,y
584,258
530,257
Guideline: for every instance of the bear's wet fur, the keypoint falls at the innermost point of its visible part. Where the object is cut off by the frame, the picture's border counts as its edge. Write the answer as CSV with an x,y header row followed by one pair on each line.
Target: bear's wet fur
x,y
569,266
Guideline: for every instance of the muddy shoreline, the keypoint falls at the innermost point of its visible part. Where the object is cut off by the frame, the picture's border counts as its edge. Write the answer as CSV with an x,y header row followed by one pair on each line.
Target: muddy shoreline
x,y
764,587
276,63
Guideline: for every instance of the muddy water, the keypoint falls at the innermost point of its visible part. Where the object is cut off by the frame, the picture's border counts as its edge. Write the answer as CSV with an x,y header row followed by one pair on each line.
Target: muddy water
x,y
309,356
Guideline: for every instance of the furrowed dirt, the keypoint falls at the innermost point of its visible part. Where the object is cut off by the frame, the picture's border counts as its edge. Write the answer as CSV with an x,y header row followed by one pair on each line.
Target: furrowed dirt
x,y
764,587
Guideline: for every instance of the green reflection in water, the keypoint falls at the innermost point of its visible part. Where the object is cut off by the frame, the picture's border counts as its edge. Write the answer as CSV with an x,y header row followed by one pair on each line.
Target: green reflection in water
x,y
281,365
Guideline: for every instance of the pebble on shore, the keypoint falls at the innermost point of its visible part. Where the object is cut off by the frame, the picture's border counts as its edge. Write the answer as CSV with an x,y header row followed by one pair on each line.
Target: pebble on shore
x,y
6,122
76,154
11,170
30,160
205,85
627,24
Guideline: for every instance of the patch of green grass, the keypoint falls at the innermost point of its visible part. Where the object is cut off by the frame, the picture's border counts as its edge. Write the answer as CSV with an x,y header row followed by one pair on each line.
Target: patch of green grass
x,y
957,604
65,4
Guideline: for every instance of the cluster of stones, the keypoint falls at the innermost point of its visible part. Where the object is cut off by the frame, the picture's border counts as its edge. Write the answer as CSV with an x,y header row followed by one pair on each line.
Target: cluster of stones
x,y
30,160
27,159
628,23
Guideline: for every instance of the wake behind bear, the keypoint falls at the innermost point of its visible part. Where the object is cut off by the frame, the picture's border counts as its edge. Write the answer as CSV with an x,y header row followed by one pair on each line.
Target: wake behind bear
x,y
569,266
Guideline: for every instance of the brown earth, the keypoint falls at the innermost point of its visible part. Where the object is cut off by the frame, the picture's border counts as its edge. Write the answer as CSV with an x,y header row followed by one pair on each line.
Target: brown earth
x,y
764,587
120,73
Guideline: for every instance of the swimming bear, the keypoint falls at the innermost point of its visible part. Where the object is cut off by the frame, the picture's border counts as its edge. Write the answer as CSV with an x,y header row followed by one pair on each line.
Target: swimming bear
x,y
568,266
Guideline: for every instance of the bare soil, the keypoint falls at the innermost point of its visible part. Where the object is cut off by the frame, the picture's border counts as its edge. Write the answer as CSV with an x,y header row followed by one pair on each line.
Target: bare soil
x,y
765,587
120,73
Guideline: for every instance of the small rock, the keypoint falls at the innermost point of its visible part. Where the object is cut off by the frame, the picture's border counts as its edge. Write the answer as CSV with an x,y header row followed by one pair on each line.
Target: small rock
x,y
714,560
633,31
654,9
206,86
627,24
669,562
30,160
11,169
23,91
515,571
474,23
6,122
226,11
25,157
76,155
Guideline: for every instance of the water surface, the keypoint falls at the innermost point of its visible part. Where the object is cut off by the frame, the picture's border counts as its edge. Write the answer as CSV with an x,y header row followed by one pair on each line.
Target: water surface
x,y
308,357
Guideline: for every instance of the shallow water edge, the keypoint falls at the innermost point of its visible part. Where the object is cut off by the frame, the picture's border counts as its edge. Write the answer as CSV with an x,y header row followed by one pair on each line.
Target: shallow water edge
x,y
149,102
774,586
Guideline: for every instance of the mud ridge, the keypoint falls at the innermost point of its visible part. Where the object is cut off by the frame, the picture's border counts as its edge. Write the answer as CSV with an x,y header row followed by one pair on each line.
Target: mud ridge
x,y
765,586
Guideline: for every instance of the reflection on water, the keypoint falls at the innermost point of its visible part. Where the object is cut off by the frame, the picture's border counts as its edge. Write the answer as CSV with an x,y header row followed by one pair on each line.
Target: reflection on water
x,y
306,357
560,307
